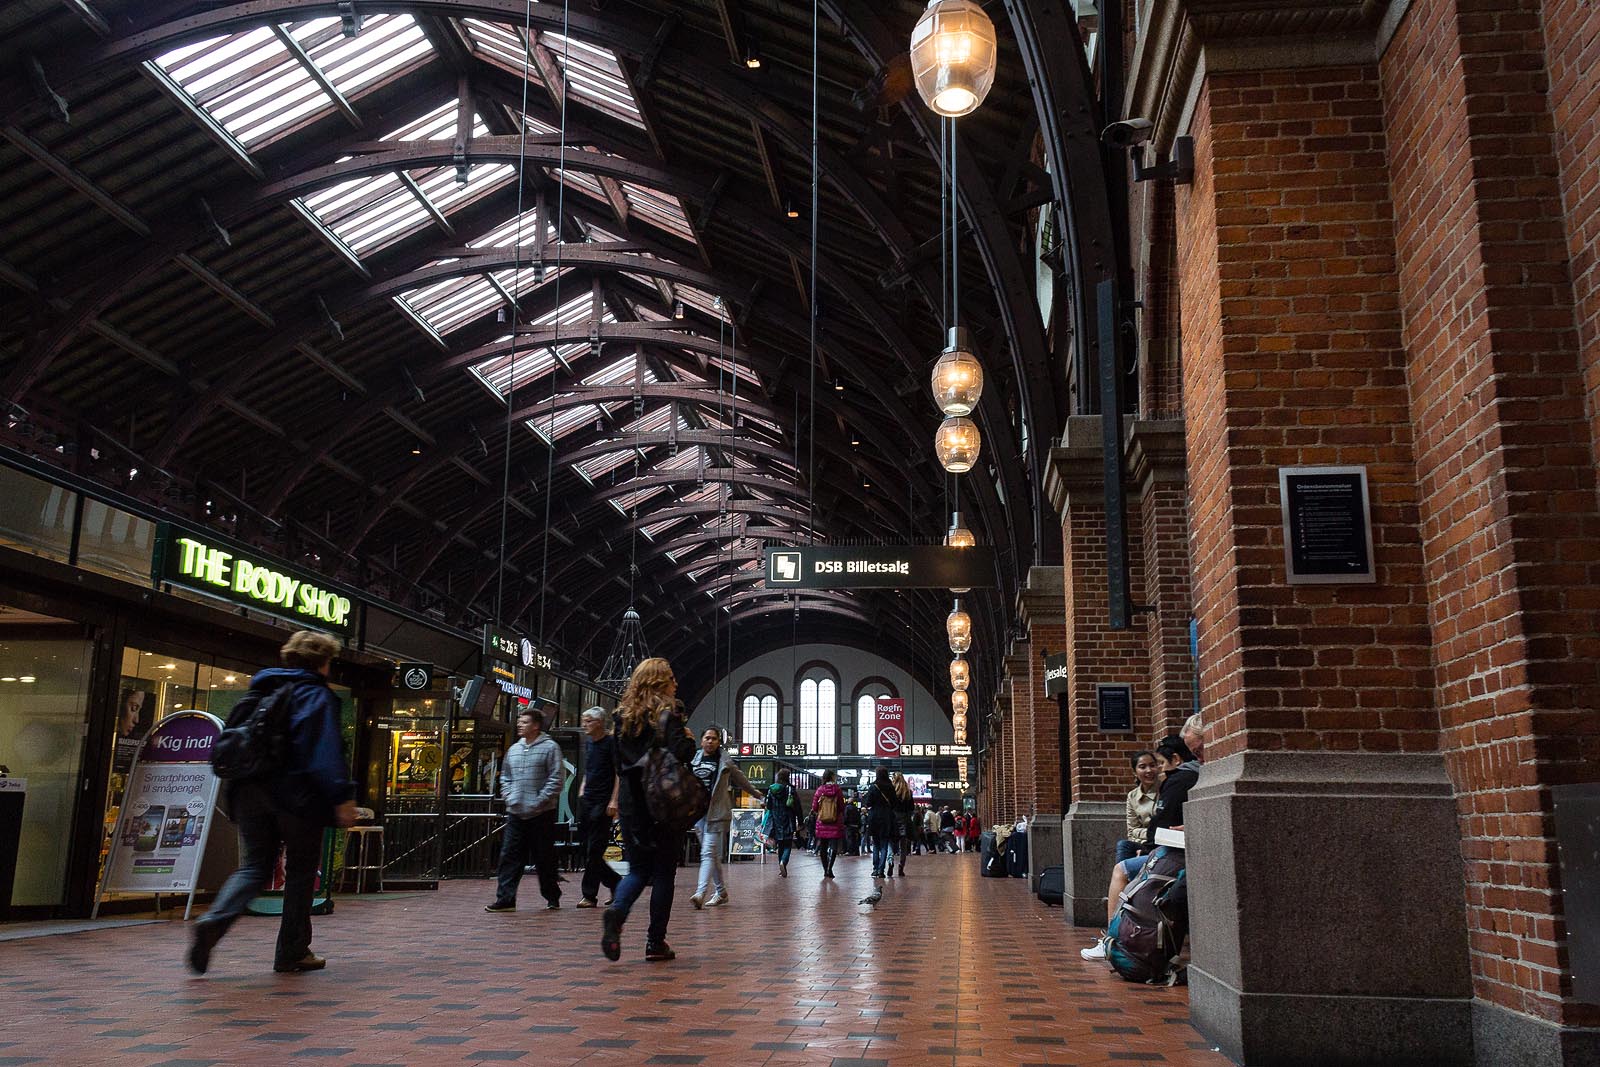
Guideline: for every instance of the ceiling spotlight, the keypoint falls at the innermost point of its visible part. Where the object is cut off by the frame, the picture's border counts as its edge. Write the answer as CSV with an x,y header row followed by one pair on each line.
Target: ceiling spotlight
x,y
27,679
838,385
229,678
9,678
677,310
855,440
752,56
416,451
790,210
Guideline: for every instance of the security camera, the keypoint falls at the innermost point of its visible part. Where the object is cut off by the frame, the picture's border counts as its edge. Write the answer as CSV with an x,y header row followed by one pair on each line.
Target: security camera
x,y
1128,132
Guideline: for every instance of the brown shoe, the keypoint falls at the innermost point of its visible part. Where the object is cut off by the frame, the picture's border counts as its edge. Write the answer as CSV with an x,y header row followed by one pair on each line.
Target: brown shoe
x,y
587,902
309,962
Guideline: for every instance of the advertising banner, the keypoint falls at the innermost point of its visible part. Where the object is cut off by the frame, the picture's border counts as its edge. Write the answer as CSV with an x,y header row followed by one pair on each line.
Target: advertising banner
x,y
168,805
744,832
890,725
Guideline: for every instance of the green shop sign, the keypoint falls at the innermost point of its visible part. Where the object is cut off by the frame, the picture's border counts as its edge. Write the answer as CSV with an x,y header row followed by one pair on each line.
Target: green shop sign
x,y
194,561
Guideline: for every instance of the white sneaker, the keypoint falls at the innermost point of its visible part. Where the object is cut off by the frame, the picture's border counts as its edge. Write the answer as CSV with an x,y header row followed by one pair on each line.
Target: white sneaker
x,y
1096,952
717,901
698,901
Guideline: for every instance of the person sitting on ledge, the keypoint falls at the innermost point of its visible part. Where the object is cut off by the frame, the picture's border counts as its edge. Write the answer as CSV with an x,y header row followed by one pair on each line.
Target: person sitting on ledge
x,y
1180,770
1141,803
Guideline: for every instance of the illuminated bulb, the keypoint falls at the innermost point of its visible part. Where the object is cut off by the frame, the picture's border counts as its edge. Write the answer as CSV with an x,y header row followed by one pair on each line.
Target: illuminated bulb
x,y
9,678
790,211
958,702
953,56
229,678
960,674
958,628
957,445
958,376
27,679
959,536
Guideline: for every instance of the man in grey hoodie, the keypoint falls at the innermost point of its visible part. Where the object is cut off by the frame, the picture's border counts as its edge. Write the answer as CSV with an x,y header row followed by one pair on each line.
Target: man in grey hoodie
x,y
715,768
530,781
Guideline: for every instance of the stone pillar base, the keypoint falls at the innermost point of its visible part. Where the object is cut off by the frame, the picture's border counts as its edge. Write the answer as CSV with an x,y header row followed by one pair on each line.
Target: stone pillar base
x,y
1326,911
1504,1038
1089,836
1044,847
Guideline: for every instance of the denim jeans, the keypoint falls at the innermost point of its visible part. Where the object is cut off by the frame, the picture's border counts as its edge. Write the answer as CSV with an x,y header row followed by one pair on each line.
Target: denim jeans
x,y
263,829
652,861
828,852
713,843
785,849
1126,850
595,831
535,835
882,849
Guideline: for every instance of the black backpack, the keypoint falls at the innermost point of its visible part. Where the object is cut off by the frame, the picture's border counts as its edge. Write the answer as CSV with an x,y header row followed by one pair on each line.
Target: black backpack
x,y
1152,921
255,742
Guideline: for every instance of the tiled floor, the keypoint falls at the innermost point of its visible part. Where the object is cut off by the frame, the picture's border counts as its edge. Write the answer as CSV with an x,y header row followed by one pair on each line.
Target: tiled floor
x,y
949,969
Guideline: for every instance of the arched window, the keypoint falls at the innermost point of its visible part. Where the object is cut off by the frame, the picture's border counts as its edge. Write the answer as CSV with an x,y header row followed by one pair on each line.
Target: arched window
x,y
819,712
866,712
758,713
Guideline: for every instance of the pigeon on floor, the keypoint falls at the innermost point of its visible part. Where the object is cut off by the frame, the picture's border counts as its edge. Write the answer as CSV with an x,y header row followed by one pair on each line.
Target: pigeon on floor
x,y
873,898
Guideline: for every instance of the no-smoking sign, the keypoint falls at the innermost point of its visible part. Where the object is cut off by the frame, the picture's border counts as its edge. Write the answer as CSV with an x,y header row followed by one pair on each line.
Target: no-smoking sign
x,y
891,725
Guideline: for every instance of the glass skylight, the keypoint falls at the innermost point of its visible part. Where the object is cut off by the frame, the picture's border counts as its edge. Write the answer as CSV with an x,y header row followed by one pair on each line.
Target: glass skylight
x,y
258,90
453,302
594,77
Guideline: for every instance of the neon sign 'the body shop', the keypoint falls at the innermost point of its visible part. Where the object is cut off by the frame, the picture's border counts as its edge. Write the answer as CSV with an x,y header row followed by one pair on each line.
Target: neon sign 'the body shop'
x,y
193,562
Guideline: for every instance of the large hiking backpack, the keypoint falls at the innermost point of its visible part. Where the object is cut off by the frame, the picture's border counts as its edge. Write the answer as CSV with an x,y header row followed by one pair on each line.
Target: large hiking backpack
x,y
255,742
1152,921
676,797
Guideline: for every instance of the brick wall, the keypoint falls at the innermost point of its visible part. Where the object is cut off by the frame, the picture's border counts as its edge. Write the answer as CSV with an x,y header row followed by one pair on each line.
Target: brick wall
x,y
1019,726
1572,48
1045,788
1292,356
1095,652
1505,455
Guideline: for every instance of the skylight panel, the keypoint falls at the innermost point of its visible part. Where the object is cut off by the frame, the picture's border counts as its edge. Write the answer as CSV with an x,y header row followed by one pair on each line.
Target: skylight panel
x,y
702,301
662,210
656,529
595,77
530,363
744,370
386,47
566,420
620,372
628,501
500,44
454,301
258,90
600,466
249,83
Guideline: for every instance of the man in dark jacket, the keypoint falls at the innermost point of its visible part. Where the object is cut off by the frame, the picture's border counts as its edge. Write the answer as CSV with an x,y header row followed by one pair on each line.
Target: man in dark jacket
x,y
289,809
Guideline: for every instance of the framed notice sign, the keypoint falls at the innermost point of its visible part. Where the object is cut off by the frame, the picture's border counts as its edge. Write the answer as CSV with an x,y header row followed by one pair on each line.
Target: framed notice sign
x,y
1114,701
1327,526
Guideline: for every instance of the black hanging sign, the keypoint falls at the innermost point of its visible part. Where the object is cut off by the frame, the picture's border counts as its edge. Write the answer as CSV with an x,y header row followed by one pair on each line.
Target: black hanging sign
x,y
880,567
1115,703
415,677
1055,674
1327,527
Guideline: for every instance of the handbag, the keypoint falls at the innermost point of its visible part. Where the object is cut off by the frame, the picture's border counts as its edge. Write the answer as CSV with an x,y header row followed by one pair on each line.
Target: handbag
x,y
673,793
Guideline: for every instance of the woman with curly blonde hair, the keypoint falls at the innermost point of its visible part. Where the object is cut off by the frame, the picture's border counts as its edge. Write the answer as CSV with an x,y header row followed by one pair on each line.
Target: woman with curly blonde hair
x,y
648,715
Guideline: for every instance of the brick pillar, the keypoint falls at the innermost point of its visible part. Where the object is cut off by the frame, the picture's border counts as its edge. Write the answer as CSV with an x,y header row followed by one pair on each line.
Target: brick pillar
x,y
1096,654
1156,468
1323,793
1041,609
1019,729
1501,351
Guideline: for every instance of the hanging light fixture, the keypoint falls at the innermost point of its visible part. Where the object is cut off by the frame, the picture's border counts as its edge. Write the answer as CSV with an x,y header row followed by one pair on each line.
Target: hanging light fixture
x,y
957,376
957,444
958,703
960,674
958,628
627,651
953,52
959,536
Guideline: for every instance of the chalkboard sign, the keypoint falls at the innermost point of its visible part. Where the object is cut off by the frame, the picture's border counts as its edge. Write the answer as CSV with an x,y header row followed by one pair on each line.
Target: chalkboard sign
x,y
1327,528
1115,704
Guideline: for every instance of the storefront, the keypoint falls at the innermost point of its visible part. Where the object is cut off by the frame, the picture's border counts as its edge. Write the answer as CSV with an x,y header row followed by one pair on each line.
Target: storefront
x,y
94,653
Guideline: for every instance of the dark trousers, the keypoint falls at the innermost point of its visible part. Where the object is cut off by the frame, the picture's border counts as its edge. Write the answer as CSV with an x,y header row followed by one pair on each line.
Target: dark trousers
x,y
652,853
827,852
535,837
595,832
263,829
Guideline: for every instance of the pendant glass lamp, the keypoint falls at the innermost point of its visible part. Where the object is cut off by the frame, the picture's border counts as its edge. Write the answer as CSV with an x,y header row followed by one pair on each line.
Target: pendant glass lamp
x,y
953,56
960,674
957,376
959,536
957,445
958,628
958,702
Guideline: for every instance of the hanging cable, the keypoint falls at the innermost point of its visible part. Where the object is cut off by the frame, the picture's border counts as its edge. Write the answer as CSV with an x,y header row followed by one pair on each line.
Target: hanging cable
x,y
561,213
516,315
811,423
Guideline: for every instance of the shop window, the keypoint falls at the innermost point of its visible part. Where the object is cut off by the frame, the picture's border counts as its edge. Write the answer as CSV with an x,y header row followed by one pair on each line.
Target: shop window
x,y
43,701
819,713
37,517
116,543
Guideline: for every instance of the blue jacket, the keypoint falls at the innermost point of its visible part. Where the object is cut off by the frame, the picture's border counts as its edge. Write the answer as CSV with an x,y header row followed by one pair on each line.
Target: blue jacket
x,y
317,777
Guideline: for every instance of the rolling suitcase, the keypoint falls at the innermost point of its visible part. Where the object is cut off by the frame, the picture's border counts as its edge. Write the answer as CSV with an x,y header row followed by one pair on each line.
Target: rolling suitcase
x,y
1052,885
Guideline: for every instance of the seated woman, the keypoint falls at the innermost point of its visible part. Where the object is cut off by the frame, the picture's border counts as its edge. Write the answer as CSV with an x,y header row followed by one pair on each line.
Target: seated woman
x,y
1141,803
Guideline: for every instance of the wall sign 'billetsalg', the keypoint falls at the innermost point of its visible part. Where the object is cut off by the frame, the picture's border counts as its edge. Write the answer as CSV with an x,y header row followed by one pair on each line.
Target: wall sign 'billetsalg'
x,y
196,562
880,567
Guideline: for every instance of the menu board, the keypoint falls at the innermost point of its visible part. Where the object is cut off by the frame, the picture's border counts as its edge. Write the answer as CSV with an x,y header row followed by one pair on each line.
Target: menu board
x,y
744,834
167,808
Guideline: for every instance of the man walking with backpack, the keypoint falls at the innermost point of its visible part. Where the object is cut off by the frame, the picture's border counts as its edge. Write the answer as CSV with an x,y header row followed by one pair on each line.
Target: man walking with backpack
x,y
286,779
530,781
